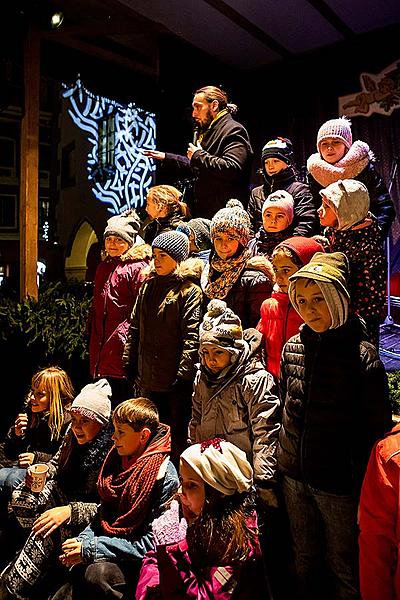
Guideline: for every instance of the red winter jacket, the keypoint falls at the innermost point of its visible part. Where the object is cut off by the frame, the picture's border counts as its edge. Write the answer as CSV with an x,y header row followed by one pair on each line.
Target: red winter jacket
x,y
279,322
116,287
380,521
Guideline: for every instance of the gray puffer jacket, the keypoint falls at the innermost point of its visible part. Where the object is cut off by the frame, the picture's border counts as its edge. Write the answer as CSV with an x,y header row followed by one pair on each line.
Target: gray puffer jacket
x,y
241,408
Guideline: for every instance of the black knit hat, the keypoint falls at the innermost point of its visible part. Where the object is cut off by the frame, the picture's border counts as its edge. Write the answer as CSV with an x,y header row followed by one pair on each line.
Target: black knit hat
x,y
124,226
279,148
173,243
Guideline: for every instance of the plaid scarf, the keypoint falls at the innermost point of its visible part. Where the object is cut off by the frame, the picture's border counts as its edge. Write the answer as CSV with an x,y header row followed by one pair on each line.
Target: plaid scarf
x,y
230,271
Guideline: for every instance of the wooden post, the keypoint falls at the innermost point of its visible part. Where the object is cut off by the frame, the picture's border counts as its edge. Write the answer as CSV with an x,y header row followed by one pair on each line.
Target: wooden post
x,y
29,181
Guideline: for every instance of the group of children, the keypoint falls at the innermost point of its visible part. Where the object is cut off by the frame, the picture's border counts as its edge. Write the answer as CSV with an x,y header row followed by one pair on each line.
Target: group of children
x,y
249,346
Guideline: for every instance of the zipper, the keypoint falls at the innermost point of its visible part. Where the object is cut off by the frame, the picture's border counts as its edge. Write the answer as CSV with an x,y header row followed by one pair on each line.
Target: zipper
x,y
309,379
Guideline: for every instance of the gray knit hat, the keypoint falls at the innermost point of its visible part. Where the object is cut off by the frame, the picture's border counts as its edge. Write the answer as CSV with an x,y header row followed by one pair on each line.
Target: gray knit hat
x,y
125,226
350,201
200,228
336,128
234,219
173,243
221,327
93,401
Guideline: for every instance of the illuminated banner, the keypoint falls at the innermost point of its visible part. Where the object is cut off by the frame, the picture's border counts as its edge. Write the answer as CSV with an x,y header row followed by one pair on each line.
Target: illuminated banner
x,y
119,171
380,94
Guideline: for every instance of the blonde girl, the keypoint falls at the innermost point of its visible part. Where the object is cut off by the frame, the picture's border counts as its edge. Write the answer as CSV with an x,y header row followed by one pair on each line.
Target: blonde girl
x,y
165,211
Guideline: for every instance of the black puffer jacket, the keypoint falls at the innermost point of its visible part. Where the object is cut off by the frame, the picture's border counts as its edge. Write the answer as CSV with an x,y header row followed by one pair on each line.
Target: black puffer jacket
x,y
221,170
150,229
305,221
334,390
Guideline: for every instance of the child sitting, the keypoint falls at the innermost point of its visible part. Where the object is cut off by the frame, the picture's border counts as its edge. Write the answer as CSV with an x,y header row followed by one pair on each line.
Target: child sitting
x,y
339,158
278,319
335,395
165,211
277,218
135,483
218,556
234,396
229,276
351,229
279,173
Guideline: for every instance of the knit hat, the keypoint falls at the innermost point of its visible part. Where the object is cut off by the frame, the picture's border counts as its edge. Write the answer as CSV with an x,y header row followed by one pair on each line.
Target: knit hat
x,y
125,226
93,401
330,272
234,219
221,327
221,465
350,201
200,228
283,200
279,148
336,128
303,247
174,243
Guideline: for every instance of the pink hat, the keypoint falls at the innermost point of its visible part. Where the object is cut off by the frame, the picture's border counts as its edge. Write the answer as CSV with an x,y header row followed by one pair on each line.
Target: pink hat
x,y
280,199
336,128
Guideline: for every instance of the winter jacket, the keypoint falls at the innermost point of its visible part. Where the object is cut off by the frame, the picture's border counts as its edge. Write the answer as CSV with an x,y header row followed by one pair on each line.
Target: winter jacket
x,y
241,408
151,228
221,170
279,321
97,547
167,574
380,523
163,337
116,287
363,247
264,242
305,220
334,390
247,294
381,204
36,439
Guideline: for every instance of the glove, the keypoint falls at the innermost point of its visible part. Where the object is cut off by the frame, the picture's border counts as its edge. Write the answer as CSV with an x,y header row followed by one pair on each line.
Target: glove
x,y
267,497
168,529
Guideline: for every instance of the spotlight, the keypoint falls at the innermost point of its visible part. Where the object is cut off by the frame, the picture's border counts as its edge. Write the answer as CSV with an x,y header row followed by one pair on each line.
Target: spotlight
x,y
56,20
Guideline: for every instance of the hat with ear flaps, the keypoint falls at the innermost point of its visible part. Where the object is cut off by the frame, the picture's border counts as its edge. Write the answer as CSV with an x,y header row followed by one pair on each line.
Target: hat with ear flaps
x,y
349,200
125,226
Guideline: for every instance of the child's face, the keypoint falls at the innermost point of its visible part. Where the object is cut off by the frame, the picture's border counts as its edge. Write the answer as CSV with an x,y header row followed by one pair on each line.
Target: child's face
x,y
226,245
115,246
84,429
192,243
312,306
327,215
332,150
192,493
163,263
274,219
274,166
284,267
39,400
215,357
129,442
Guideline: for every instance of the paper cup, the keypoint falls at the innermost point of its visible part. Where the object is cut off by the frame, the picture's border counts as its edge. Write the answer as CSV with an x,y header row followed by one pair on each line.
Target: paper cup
x,y
38,474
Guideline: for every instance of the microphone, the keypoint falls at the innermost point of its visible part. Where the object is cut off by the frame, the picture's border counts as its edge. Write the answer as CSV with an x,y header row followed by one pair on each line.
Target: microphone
x,y
196,132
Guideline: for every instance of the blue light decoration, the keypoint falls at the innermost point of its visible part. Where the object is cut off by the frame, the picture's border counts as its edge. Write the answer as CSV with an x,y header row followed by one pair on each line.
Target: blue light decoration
x,y
120,173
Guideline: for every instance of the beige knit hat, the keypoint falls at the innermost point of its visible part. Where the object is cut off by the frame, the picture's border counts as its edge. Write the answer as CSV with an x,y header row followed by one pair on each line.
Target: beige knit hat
x,y
93,401
220,464
336,128
349,200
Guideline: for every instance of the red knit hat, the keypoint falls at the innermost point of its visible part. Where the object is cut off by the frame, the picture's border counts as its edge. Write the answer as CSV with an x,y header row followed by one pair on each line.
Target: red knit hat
x,y
303,247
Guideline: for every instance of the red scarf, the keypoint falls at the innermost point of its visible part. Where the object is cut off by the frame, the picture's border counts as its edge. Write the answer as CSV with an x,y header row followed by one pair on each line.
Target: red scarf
x,y
125,493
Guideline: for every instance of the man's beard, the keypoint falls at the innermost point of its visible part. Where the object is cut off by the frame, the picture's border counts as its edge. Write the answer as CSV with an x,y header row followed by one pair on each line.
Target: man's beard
x,y
208,119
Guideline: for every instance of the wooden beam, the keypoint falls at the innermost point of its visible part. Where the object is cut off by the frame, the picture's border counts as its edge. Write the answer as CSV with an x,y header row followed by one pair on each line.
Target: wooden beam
x,y
29,187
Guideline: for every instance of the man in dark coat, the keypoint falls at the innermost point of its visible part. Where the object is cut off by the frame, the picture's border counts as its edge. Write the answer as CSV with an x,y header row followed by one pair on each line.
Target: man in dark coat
x,y
219,162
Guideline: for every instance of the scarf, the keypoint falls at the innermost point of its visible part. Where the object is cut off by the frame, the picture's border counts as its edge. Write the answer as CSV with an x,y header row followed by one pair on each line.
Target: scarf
x,y
230,271
126,492
347,167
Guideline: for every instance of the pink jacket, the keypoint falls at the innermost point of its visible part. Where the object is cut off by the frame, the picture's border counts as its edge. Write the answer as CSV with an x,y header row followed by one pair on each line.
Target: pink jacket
x,y
379,518
279,322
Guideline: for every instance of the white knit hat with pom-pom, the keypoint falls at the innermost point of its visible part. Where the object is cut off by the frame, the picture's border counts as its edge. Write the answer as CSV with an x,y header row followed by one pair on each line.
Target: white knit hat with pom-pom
x,y
233,219
336,128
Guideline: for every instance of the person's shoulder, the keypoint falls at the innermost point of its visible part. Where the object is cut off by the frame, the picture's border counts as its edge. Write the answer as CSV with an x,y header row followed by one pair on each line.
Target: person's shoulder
x,y
388,448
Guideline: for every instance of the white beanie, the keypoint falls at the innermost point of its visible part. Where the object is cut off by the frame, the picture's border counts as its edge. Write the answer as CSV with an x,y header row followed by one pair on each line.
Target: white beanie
x,y
220,464
336,128
93,401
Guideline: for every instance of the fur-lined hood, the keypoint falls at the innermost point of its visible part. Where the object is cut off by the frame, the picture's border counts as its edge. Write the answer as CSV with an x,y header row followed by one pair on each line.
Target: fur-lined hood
x,y
190,268
135,253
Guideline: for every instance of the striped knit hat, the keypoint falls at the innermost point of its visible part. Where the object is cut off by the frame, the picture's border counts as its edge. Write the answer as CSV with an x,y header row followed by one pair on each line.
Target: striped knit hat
x,y
336,128
233,219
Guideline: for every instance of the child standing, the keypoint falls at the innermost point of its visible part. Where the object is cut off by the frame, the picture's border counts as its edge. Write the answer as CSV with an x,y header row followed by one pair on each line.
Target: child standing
x,y
335,395
135,483
234,396
278,319
229,275
163,339
116,286
198,232
277,219
165,211
279,172
339,158
218,556
351,229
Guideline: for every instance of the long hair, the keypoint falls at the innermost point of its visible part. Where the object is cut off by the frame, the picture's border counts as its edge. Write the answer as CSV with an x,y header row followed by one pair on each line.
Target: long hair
x,y
58,387
221,535
212,92
167,196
